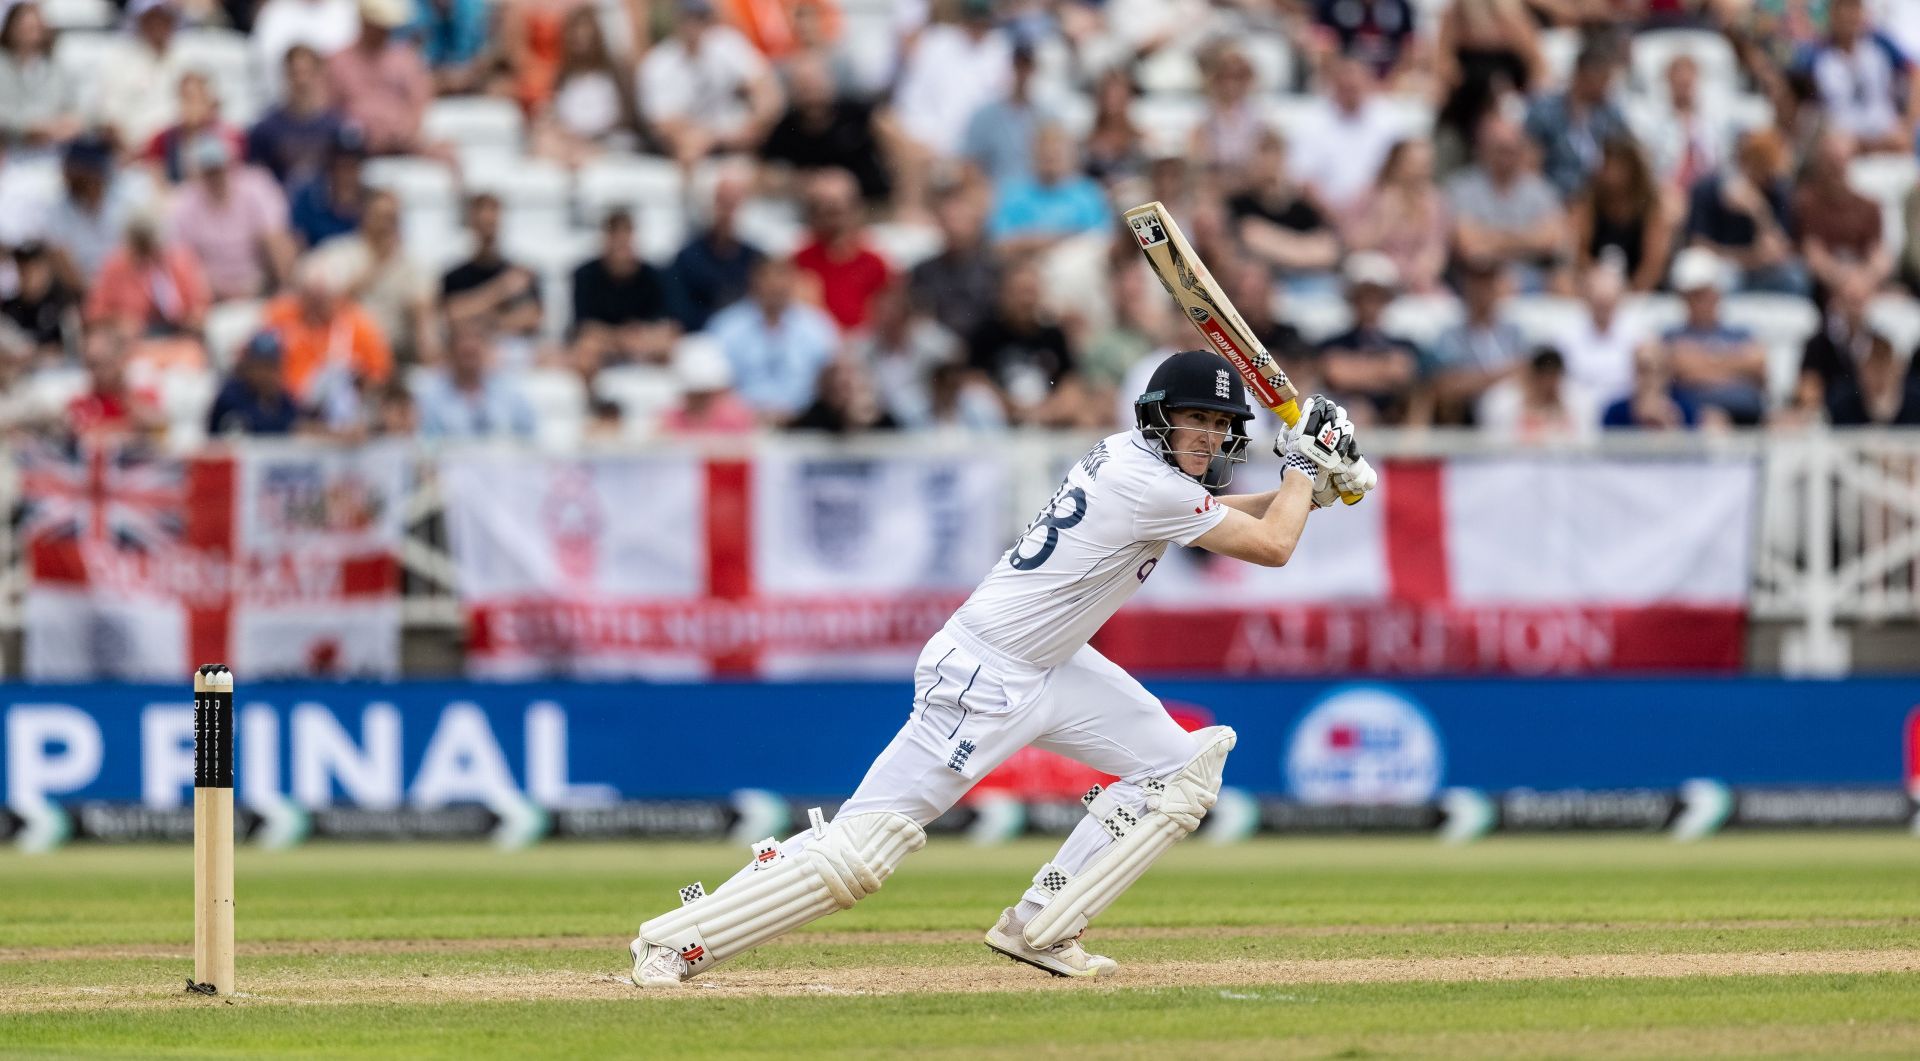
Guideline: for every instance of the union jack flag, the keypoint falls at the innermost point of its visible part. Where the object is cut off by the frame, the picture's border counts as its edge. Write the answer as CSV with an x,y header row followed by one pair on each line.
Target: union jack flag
x,y
122,495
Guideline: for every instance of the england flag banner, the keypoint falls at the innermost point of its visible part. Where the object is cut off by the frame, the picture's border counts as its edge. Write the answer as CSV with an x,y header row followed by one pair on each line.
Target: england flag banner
x,y
279,561
675,566
1532,565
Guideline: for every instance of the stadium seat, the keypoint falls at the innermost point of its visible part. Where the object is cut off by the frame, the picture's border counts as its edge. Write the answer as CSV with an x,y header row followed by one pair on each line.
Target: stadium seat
x,y
905,246
475,123
84,53
419,182
185,398
519,181
771,225
1783,323
1169,71
1167,118
1544,318
1422,318
559,401
228,327
627,180
1898,318
643,393
1886,179
1559,48
1659,311
78,14
47,392
1655,50
1318,317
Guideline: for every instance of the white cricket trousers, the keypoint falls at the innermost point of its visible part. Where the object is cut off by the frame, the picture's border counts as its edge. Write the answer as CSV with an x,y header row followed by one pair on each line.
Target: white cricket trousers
x,y
973,707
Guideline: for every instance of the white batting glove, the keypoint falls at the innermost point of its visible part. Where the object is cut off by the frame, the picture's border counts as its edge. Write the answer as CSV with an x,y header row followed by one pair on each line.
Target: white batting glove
x,y
1322,435
1357,481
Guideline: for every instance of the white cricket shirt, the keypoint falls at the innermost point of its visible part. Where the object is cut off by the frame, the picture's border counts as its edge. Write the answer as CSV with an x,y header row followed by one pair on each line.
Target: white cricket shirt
x,y
1091,546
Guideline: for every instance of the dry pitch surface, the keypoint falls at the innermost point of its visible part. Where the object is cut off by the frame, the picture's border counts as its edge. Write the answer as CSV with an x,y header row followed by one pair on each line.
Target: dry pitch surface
x,y
1595,946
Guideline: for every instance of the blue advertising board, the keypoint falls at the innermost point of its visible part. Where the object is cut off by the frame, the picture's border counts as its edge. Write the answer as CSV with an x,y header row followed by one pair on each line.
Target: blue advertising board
x,y
582,744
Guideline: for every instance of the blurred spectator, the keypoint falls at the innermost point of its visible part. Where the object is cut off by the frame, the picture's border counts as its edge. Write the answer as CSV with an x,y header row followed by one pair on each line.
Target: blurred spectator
x,y
962,401
781,28
708,404
1113,148
704,90
469,397
1910,247
775,343
1652,403
84,225
1379,33
711,270
604,421
330,203
1715,364
1486,50
39,99
1689,140
42,306
1840,229
453,41
843,266
332,348
1250,288
396,292
147,287
234,220
958,285
900,349
1024,354
393,413
326,26
111,405
1622,211
1225,141
487,285
1534,403
1404,218
1278,224
295,137
1369,370
129,98
199,116
820,132
1575,126
620,308
1359,122
846,402
1504,212
1851,373
1483,349
532,38
1056,202
380,82
1865,83
1743,214
1600,346
254,399
949,71
592,108
1000,135
1134,332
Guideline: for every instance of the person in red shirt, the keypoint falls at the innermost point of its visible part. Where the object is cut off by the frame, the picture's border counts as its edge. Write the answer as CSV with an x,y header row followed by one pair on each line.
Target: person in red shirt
x,y
111,406
836,256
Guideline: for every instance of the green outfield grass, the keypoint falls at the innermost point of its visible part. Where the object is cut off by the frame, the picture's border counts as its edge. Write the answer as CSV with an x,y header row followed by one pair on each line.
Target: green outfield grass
x,y
1595,946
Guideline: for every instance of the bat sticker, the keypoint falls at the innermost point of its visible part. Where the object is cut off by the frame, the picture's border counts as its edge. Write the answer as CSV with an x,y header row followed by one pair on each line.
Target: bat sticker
x,y
1199,314
1147,229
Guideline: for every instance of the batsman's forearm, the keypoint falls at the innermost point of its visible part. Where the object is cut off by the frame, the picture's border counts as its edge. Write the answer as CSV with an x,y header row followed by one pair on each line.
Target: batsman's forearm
x,y
1286,516
1254,505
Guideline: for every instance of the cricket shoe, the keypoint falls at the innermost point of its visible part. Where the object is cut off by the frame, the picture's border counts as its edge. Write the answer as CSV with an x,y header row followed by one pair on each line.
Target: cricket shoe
x,y
1065,958
657,966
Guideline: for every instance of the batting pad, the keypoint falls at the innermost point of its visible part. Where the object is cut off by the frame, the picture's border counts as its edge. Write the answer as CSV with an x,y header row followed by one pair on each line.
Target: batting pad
x,y
1174,808
840,868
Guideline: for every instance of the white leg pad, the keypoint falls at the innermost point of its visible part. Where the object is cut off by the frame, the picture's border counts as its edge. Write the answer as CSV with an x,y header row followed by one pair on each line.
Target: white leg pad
x,y
1174,808
841,867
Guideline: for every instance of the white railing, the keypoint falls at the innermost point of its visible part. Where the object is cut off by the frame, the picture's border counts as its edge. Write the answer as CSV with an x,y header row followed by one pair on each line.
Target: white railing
x,y
1837,540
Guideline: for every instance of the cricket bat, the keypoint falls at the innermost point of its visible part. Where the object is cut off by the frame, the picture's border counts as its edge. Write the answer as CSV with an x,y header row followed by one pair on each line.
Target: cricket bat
x,y
1208,309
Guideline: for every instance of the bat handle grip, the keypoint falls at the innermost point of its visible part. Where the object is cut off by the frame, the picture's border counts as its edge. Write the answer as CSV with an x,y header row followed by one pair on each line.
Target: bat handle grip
x,y
1364,471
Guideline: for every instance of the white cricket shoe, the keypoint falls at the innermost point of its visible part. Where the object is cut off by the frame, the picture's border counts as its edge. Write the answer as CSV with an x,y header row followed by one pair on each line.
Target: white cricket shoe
x,y
1065,958
657,966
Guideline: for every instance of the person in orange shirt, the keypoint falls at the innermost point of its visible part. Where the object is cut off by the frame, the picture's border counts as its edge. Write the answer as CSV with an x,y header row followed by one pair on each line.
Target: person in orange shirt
x,y
780,28
328,339
149,287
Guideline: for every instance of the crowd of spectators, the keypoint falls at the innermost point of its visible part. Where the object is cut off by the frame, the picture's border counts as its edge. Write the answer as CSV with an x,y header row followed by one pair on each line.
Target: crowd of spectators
x,y
1537,217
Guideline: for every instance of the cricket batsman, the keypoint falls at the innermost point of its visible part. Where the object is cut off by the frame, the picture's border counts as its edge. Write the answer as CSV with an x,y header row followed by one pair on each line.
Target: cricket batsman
x,y
1013,668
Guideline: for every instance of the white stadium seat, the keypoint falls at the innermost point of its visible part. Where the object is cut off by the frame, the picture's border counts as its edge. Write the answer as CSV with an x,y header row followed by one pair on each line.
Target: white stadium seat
x,y
1422,318
1654,51
479,123
559,401
78,14
643,393
770,225
1318,317
627,180
416,181
224,56
905,246
1166,118
1544,318
1898,318
228,327
1887,180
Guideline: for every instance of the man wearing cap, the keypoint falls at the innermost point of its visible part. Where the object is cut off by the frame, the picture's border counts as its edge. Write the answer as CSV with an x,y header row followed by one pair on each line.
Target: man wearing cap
x,y
1366,367
380,82
705,90
1472,356
331,203
234,218
85,223
254,401
1716,364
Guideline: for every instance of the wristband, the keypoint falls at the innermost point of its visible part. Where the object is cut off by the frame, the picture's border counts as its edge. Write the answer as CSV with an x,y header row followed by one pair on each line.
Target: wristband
x,y
1301,463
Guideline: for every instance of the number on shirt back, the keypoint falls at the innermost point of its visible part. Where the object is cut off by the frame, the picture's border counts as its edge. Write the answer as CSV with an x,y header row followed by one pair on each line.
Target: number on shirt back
x,y
1053,520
